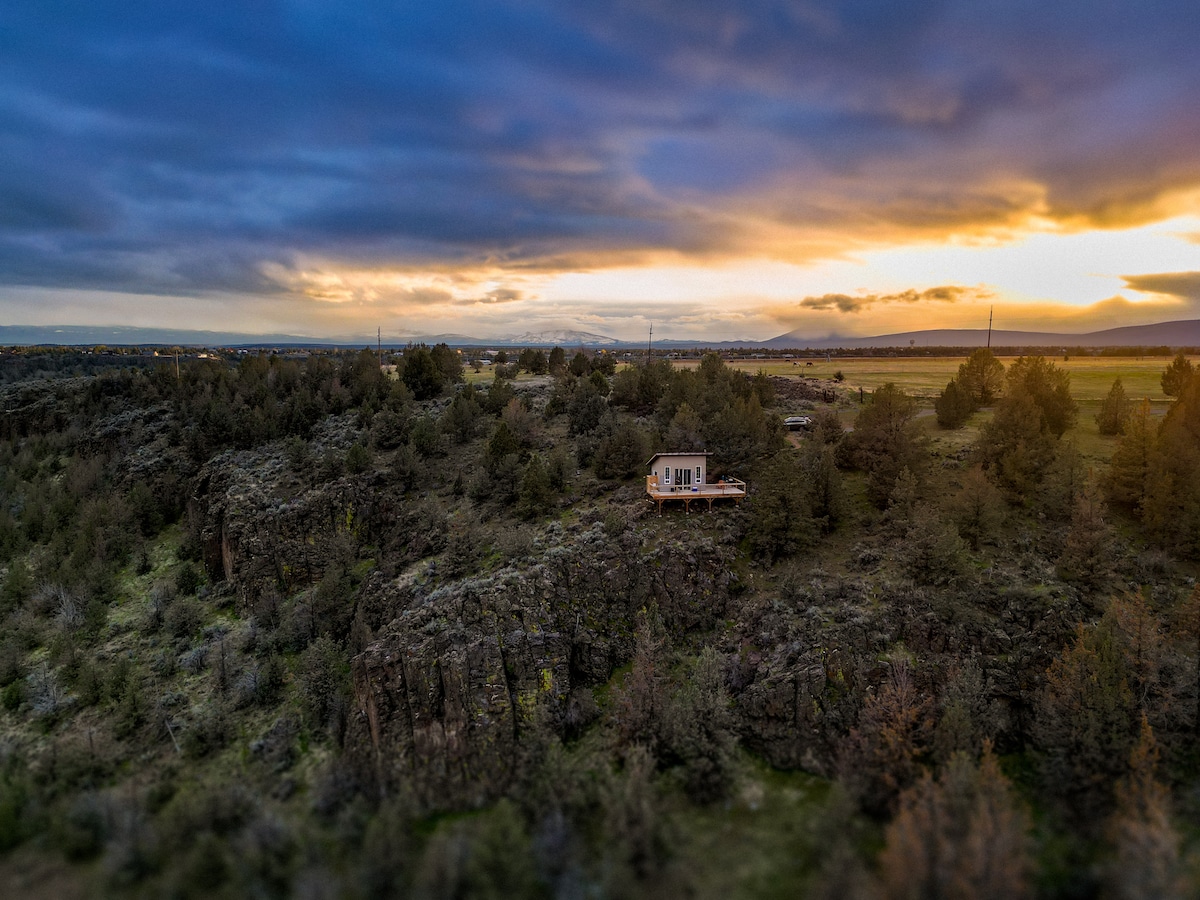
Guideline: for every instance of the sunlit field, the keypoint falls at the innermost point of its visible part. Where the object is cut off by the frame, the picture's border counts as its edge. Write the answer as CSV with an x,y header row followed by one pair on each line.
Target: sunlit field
x,y
925,377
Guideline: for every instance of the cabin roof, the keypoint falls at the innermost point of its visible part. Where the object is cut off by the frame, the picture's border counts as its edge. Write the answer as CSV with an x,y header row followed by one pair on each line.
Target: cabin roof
x,y
678,453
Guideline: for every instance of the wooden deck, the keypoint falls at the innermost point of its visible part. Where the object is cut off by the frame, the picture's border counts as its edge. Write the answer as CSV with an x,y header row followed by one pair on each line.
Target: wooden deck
x,y
727,488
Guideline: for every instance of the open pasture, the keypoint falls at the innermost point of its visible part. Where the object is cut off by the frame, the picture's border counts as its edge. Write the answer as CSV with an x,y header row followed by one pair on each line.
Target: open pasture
x,y
926,377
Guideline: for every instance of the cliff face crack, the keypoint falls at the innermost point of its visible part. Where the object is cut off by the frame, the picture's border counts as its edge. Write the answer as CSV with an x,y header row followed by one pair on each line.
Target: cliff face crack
x,y
510,688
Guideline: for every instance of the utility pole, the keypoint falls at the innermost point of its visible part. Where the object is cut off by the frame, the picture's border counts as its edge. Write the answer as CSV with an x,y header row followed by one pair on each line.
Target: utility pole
x,y
379,344
990,310
649,343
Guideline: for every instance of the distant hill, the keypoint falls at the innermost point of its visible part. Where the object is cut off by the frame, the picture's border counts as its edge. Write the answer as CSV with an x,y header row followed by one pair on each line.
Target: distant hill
x,y
555,338
1184,333
121,336
124,336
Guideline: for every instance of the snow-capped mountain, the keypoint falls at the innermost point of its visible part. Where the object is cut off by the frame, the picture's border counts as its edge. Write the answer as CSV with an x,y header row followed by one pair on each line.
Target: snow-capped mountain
x,y
562,338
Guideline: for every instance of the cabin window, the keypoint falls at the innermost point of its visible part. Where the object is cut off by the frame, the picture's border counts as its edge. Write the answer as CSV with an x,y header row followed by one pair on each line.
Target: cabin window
x,y
699,477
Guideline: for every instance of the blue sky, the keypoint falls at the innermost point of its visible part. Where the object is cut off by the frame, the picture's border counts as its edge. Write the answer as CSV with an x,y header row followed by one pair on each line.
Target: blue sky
x,y
725,169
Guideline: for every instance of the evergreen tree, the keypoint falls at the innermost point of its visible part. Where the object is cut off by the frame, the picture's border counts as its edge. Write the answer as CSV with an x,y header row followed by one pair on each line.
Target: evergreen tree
x,y
464,416
499,395
1064,481
1177,375
533,360
823,483
964,836
981,377
501,444
1087,558
448,363
1172,504
933,552
885,441
1114,411
421,373
953,406
1018,444
579,364
586,407
781,521
621,451
1146,845
977,509
536,494
881,755
600,382
1129,468
686,431
1084,722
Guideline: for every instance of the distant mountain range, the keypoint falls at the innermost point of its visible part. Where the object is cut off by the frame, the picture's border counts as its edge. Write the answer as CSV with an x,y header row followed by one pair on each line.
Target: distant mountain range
x,y
124,336
1171,334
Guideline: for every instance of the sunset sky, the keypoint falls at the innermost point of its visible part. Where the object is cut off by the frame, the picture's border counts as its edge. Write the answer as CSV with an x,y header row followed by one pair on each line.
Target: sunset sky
x,y
727,170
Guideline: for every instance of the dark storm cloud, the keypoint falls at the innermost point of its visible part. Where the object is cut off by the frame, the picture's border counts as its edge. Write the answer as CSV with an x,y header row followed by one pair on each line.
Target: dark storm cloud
x,y
848,303
1185,285
169,146
502,295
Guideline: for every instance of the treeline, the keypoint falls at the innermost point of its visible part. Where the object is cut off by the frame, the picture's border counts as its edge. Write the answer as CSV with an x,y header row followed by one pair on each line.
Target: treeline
x,y
1154,473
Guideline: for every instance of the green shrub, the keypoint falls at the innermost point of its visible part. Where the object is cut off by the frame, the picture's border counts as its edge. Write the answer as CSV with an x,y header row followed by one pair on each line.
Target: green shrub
x,y
183,618
358,459
188,580
11,697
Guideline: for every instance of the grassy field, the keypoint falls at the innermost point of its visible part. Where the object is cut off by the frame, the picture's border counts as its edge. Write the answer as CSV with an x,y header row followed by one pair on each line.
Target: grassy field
x,y
925,377
1091,377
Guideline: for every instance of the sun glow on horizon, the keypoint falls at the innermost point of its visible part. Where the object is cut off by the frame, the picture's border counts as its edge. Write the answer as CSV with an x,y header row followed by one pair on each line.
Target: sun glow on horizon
x,y
1071,279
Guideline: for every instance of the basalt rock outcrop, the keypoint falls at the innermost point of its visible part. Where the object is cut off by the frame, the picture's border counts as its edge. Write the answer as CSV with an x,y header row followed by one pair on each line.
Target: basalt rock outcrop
x,y
801,667
262,525
444,698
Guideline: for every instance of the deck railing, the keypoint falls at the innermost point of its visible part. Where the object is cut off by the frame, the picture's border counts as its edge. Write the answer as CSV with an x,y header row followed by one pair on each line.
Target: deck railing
x,y
721,486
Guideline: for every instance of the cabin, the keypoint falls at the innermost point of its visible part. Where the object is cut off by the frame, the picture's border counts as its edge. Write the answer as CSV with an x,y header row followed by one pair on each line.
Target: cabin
x,y
683,476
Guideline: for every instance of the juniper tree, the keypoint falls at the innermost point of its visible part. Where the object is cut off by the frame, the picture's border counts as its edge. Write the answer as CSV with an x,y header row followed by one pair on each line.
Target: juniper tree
x,y
781,519
1129,468
1114,411
1172,504
953,405
1177,375
977,509
885,441
981,377
536,494
1087,558
1146,845
964,836
1084,722
1018,444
